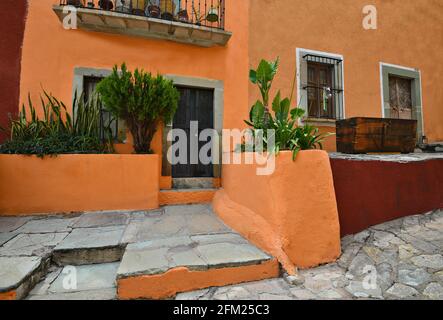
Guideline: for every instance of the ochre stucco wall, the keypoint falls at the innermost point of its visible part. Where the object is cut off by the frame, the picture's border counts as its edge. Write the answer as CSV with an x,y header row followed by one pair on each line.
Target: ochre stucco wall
x,y
50,54
410,34
292,213
77,183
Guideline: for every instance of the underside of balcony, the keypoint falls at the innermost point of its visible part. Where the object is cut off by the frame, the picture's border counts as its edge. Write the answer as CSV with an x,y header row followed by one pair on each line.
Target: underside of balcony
x,y
146,27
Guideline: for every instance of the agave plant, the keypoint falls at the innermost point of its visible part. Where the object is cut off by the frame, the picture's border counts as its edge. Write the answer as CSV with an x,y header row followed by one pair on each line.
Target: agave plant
x,y
56,131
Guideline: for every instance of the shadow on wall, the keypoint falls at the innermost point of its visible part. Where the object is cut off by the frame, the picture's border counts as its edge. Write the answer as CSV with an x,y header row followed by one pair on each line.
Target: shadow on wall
x,y
12,26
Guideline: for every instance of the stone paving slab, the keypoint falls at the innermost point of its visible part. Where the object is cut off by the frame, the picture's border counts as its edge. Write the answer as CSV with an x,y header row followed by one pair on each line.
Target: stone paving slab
x,y
5,237
90,245
8,224
32,244
102,219
52,225
14,269
185,220
158,256
102,294
89,277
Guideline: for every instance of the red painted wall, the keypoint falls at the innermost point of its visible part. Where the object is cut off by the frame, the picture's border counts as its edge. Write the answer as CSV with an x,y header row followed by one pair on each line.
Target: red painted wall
x,y
12,26
373,192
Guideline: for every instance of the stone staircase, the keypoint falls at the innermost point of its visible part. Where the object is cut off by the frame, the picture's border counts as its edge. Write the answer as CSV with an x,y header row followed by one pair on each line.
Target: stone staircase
x,y
136,255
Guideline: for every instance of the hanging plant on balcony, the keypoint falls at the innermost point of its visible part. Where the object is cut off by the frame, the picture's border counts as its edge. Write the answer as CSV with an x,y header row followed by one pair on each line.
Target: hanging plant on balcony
x,y
123,6
75,3
183,16
167,9
106,4
142,100
212,15
138,7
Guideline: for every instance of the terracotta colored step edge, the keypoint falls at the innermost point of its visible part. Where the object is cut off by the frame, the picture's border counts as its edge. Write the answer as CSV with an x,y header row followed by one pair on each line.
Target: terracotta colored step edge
x,y
186,196
181,279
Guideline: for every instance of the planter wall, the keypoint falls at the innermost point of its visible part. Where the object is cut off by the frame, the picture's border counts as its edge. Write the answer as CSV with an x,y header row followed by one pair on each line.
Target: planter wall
x,y
292,214
374,192
72,183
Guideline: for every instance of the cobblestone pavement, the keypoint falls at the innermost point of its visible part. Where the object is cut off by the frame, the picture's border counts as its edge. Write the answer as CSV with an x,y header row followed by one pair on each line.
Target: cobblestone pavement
x,y
404,257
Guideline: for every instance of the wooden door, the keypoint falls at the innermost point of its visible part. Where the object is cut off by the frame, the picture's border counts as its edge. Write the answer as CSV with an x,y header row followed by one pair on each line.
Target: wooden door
x,y
195,105
400,97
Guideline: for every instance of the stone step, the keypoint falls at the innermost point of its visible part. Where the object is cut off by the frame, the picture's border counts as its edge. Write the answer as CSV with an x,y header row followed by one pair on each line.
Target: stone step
x,y
90,245
186,196
18,275
92,282
161,268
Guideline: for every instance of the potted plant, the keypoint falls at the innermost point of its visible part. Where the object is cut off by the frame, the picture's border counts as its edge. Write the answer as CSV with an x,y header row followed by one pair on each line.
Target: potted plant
x,y
153,10
142,100
167,8
123,6
138,7
212,15
183,16
75,3
106,4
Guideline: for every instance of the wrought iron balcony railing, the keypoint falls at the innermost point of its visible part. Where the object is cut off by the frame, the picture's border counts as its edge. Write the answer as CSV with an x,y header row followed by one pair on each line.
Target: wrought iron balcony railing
x,y
207,13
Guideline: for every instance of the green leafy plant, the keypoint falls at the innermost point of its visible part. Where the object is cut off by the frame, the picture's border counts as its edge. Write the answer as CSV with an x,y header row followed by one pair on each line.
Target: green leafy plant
x,y
283,125
142,100
56,131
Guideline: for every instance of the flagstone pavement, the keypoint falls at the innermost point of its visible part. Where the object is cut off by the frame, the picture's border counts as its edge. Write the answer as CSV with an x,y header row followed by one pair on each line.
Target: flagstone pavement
x,y
401,259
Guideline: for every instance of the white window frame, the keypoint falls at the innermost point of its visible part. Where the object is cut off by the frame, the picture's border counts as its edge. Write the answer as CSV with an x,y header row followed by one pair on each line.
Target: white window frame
x,y
302,99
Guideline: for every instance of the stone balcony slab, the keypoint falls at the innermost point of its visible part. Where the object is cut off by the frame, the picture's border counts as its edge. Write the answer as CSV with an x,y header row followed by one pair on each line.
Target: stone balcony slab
x,y
141,26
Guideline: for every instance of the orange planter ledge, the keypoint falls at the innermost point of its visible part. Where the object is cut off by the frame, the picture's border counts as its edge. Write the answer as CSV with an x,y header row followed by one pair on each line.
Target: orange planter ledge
x,y
182,279
291,214
76,183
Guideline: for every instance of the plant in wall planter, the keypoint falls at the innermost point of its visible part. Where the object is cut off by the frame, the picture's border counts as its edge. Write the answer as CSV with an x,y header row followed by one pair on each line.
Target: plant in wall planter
x,y
142,100
282,124
106,4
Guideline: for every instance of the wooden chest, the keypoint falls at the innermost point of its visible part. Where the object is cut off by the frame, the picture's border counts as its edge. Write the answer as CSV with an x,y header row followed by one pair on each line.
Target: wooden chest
x,y
367,135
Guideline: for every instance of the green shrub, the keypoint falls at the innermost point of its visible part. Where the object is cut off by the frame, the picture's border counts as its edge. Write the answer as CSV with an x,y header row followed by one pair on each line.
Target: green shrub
x,y
142,100
57,132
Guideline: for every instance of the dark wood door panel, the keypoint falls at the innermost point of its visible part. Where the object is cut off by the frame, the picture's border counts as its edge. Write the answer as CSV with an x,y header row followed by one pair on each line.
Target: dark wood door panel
x,y
195,105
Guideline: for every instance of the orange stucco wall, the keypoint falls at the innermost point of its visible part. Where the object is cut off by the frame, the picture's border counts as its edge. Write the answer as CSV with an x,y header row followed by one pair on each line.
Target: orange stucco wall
x,y
50,54
410,34
292,214
72,183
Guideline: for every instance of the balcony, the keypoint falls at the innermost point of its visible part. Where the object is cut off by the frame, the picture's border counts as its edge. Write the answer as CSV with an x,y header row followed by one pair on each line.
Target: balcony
x,y
195,22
